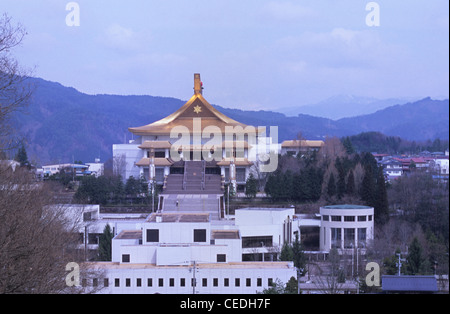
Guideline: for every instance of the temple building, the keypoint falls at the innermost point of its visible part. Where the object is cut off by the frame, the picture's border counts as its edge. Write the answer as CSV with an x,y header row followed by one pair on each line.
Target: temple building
x,y
212,151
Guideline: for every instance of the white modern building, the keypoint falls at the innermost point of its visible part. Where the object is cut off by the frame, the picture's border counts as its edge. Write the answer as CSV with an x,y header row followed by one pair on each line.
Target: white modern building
x,y
346,227
196,252
169,251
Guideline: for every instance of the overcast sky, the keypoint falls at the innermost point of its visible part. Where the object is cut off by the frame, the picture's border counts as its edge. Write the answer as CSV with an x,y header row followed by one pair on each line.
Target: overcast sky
x,y
252,54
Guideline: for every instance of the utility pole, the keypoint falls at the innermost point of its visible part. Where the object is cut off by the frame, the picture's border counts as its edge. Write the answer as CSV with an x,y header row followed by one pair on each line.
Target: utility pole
x,y
399,263
194,280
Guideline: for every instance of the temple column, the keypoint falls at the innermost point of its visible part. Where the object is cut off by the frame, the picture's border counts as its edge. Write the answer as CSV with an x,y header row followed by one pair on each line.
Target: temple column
x,y
233,174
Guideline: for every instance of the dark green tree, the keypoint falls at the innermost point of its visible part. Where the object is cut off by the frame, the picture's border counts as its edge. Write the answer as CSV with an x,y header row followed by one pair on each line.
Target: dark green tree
x,y
347,143
251,186
331,187
340,186
381,203
416,263
286,253
350,187
133,187
368,186
105,243
22,156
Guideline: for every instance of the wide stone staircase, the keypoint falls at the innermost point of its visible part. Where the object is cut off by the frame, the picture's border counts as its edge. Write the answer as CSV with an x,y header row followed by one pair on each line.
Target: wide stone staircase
x,y
193,191
193,181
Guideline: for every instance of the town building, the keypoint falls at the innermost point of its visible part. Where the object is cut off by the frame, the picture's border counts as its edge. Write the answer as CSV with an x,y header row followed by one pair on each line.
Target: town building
x,y
294,147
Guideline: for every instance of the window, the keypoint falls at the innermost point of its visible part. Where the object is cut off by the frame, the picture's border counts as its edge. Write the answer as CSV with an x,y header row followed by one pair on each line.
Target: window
x,y
199,235
204,282
161,282
326,218
117,282
128,282
226,282
370,217
335,238
237,282
172,282
362,237
125,258
336,218
138,282
221,258
160,154
259,282
87,216
240,174
93,238
216,282
95,282
106,282
248,282
182,282
149,282
264,241
362,218
270,282
349,238
349,218
152,235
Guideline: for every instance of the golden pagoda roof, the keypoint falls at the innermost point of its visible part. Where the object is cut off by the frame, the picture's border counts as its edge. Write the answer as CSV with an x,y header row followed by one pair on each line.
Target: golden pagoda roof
x,y
196,107
155,145
157,162
237,162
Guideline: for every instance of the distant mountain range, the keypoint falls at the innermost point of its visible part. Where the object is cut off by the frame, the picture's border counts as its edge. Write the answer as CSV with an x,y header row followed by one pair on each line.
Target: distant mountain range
x,y
62,124
344,106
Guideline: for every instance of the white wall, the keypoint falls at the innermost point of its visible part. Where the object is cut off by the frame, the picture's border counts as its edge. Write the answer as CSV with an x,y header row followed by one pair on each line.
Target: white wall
x,y
265,271
132,154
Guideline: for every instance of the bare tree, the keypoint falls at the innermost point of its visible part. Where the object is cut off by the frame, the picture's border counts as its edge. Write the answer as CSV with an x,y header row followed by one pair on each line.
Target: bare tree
x,y
331,149
37,238
14,90
119,165
331,282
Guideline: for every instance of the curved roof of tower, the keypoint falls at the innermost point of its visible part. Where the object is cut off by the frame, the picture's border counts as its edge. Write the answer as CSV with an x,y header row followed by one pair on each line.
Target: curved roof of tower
x,y
196,107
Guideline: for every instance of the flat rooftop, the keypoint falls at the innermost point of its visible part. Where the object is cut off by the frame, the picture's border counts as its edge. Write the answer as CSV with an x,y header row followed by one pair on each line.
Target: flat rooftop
x,y
179,217
225,234
129,234
266,208
346,206
236,265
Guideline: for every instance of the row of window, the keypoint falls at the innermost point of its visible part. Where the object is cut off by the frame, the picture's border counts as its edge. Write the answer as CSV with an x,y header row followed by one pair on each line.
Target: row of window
x,y
349,237
161,282
347,218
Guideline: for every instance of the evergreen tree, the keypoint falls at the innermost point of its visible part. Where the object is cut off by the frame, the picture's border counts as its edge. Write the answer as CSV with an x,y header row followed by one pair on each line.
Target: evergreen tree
x,y
347,143
22,156
251,186
350,188
104,244
368,186
381,203
416,263
133,187
331,187
340,187
299,259
286,253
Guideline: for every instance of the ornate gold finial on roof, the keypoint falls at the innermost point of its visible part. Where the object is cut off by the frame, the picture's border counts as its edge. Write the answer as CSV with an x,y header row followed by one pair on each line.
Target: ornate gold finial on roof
x,y
198,85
